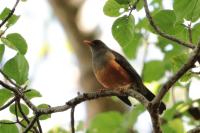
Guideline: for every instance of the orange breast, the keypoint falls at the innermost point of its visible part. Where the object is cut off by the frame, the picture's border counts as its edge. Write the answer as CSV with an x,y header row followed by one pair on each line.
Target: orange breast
x,y
113,76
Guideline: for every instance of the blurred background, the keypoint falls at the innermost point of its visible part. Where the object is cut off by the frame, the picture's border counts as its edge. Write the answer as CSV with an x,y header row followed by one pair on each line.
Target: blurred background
x,y
60,65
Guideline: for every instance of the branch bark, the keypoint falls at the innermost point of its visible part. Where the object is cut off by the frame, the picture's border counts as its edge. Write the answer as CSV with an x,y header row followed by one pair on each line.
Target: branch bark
x,y
163,34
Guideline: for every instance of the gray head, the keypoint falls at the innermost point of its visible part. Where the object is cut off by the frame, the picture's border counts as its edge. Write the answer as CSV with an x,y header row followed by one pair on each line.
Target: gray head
x,y
96,46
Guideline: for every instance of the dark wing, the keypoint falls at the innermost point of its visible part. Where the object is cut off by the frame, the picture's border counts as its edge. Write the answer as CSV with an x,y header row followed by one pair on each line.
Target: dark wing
x,y
126,65
137,80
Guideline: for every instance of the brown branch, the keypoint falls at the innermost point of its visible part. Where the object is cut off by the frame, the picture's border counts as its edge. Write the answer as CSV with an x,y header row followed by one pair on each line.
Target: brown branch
x,y
163,34
94,95
10,14
39,126
8,87
72,119
133,7
21,111
190,32
188,65
155,120
31,124
195,130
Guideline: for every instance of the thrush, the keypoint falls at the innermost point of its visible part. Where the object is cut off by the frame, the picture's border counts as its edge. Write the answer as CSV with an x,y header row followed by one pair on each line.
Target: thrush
x,y
113,71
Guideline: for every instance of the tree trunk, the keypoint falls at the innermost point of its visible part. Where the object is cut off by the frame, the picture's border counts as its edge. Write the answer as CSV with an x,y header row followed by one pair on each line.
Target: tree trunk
x,y
66,12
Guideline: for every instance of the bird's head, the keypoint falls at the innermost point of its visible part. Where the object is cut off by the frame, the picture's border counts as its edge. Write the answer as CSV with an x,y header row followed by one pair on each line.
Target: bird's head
x,y
95,45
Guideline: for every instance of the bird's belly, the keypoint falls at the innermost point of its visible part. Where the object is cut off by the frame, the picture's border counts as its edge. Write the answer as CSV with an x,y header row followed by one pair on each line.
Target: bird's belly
x,y
113,76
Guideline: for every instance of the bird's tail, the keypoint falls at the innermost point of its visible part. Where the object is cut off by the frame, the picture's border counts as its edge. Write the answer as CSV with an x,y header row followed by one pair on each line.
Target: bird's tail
x,y
150,96
125,100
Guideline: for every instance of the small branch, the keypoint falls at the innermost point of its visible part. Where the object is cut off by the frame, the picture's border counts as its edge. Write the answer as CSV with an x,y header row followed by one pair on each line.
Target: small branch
x,y
161,33
8,104
21,111
190,32
188,65
17,117
8,87
195,130
133,7
10,14
31,124
94,95
39,126
72,119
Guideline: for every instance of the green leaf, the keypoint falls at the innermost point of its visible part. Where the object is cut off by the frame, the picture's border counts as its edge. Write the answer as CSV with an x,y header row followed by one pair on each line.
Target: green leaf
x,y
4,13
140,5
186,77
174,126
165,20
16,42
130,50
32,94
17,68
196,33
4,96
44,117
109,122
153,70
123,30
123,1
2,49
171,112
12,20
179,60
188,9
8,128
112,8
24,109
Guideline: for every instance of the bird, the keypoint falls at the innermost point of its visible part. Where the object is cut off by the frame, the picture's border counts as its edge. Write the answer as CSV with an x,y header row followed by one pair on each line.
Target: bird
x,y
113,71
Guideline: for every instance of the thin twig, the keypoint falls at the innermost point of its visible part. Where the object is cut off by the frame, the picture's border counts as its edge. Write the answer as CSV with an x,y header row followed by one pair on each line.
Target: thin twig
x,y
10,14
163,34
31,124
133,7
8,104
8,87
17,117
21,111
39,126
190,32
72,119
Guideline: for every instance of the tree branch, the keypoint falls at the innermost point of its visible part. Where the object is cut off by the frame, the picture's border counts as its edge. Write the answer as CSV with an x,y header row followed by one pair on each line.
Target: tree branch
x,y
8,104
31,124
188,65
163,34
72,119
